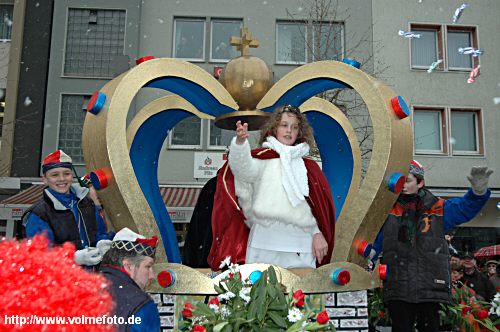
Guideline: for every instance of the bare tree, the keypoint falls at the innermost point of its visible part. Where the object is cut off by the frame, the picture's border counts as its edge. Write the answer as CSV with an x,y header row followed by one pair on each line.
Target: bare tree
x,y
324,38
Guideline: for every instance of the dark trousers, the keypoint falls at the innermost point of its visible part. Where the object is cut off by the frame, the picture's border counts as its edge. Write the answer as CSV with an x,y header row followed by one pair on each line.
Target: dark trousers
x,y
404,315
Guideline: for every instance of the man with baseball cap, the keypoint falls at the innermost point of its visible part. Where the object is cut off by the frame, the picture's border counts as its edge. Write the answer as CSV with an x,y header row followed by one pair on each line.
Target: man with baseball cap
x,y
416,252
128,265
66,214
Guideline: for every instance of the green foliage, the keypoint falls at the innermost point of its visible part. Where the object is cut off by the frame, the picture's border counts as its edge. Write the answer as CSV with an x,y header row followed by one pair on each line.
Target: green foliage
x,y
378,314
262,306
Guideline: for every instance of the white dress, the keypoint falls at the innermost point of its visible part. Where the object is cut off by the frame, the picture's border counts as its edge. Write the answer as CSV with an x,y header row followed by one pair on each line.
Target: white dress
x,y
280,233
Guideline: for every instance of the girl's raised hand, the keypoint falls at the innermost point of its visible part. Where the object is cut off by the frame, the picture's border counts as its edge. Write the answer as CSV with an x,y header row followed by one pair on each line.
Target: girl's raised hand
x,y
241,132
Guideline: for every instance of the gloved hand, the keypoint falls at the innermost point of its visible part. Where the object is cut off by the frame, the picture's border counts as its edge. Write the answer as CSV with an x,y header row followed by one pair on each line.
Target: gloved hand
x,y
103,246
478,178
88,256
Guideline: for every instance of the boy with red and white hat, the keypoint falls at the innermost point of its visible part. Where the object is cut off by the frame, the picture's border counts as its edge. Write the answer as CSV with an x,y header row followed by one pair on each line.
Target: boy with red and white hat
x,y
66,214
416,252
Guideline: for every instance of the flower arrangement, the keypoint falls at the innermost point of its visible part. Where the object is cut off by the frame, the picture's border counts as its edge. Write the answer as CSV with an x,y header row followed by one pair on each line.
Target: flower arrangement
x,y
467,313
258,303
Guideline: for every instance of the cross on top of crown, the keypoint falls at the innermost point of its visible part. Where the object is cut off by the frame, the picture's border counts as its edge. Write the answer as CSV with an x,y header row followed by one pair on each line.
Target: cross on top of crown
x,y
244,42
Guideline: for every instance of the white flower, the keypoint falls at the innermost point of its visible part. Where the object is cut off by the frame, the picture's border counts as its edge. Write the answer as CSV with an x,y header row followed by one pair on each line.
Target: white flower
x,y
244,294
234,268
225,262
226,296
294,315
498,311
225,312
214,307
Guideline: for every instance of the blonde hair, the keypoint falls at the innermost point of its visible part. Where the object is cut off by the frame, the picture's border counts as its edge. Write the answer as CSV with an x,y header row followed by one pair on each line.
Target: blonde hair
x,y
270,128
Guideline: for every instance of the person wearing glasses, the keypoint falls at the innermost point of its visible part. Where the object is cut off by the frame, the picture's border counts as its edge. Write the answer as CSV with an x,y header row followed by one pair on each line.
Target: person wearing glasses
x,y
273,205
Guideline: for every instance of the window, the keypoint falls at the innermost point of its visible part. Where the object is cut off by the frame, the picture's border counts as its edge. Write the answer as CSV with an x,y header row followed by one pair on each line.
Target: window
x,y
424,50
186,134
465,126
6,12
71,124
431,45
447,131
189,39
428,135
327,41
298,42
221,32
219,138
291,43
94,38
460,38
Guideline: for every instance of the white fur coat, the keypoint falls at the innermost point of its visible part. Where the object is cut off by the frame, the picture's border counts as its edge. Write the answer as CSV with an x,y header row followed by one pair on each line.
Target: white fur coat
x,y
261,193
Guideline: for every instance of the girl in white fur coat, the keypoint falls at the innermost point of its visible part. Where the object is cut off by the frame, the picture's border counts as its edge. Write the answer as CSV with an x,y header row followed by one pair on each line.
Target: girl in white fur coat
x,y
273,193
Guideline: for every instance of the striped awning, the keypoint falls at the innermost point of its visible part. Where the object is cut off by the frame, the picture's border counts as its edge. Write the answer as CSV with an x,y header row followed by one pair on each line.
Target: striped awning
x,y
180,196
177,196
26,197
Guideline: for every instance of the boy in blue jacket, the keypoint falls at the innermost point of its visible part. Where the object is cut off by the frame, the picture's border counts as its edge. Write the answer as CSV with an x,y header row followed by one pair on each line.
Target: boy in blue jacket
x,y
66,214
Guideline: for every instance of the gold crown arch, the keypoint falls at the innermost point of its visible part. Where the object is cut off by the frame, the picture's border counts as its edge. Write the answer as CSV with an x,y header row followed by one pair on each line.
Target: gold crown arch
x,y
105,147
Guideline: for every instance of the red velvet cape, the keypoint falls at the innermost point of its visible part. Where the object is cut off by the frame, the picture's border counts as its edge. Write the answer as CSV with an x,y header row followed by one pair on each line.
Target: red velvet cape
x,y
230,234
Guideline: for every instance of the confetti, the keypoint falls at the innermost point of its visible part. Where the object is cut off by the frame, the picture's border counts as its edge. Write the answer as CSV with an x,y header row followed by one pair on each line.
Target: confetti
x,y
458,12
408,34
434,65
473,74
470,51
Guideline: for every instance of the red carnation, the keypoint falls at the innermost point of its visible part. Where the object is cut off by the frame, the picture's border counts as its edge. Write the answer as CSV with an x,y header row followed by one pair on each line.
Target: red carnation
x,y
381,314
322,318
482,314
298,298
465,310
498,289
198,328
186,313
214,300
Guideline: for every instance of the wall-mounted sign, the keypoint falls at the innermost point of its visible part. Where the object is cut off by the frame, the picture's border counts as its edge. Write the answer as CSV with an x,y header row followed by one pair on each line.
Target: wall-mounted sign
x,y
206,164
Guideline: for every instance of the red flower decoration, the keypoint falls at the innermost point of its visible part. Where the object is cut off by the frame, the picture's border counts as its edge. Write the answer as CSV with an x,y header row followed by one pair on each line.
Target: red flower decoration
x,y
298,298
186,313
322,318
198,328
381,314
214,300
482,314
498,289
465,311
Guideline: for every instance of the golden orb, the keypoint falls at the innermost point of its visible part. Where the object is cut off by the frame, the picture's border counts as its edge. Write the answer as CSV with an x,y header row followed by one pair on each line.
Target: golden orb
x,y
247,79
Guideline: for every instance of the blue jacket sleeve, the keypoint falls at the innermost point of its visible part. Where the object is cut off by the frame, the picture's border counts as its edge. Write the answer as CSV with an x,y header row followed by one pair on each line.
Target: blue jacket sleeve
x,y
150,319
102,231
35,225
460,210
